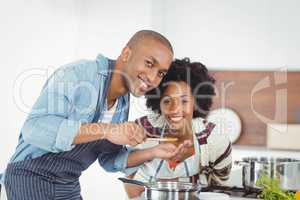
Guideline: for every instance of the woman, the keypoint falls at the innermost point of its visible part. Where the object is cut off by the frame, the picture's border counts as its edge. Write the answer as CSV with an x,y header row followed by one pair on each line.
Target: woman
x,y
180,105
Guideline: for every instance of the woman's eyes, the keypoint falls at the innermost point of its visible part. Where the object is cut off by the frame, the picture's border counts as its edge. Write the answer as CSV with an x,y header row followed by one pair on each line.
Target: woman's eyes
x,y
166,101
184,101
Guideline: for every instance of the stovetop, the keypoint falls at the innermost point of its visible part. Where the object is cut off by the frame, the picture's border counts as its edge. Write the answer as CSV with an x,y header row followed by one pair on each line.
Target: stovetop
x,y
233,191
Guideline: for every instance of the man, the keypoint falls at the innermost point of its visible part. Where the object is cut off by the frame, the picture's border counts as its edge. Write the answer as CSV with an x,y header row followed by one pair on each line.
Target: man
x,y
80,116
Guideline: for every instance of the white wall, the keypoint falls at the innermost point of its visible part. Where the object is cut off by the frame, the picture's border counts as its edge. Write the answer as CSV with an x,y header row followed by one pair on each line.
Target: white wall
x,y
34,35
45,34
106,27
234,34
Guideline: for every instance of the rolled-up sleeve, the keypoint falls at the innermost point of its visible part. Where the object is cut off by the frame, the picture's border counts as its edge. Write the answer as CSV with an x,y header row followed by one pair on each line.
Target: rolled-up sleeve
x,y
51,133
66,133
117,161
48,125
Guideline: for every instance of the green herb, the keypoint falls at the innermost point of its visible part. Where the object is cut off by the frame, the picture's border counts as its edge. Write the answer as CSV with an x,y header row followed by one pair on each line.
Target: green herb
x,y
271,190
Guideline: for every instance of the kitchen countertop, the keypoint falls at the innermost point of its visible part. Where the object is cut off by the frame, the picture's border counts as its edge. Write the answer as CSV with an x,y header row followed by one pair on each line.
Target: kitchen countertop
x,y
263,149
240,151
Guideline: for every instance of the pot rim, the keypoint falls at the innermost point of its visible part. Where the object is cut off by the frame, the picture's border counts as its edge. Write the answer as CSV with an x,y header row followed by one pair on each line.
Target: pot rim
x,y
268,160
155,186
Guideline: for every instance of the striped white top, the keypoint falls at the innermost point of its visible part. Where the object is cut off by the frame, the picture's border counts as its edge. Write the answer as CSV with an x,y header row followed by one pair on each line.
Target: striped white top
x,y
212,158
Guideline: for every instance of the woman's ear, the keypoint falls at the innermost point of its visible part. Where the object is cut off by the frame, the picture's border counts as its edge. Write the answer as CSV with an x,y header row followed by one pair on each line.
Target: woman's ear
x,y
125,54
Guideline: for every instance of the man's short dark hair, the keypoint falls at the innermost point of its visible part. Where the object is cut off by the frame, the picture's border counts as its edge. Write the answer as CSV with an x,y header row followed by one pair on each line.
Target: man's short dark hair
x,y
149,34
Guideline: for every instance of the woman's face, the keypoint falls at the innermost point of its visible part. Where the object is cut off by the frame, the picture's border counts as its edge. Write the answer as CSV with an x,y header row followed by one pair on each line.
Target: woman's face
x,y
177,105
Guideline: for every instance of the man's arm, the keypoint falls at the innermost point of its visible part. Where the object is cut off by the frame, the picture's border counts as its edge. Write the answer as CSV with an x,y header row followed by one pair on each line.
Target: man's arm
x,y
128,133
49,126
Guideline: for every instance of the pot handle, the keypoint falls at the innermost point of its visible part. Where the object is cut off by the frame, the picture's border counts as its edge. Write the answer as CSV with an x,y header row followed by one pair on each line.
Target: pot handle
x,y
279,168
134,182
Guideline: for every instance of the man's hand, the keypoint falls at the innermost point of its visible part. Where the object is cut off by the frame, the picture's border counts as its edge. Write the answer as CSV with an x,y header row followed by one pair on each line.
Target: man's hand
x,y
128,133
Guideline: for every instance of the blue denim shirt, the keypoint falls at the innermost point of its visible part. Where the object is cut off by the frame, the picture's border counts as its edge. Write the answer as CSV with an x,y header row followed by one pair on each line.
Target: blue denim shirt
x,y
68,99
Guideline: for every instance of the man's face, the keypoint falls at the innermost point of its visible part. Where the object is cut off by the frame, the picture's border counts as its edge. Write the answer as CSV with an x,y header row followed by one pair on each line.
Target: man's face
x,y
145,66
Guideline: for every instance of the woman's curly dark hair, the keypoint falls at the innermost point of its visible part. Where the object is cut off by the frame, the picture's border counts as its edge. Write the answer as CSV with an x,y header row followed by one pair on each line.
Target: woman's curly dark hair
x,y
196,75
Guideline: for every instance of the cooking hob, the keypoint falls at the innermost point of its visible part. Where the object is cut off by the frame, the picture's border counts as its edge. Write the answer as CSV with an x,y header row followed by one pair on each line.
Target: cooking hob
x,y
233,191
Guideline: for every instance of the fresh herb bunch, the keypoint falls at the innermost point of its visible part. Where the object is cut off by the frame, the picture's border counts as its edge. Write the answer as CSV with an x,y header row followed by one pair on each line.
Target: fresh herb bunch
x,y
271,189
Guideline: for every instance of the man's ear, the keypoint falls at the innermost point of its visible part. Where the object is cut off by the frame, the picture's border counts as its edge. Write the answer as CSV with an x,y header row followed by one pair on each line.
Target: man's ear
x,y
125,54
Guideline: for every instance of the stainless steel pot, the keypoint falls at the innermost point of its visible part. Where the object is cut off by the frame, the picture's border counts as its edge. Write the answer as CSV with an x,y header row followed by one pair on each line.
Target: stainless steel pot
x,y
289,175
167,190
287,170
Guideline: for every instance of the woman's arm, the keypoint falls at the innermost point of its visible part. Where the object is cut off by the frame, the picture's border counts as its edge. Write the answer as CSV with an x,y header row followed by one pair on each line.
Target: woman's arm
x,y
163,151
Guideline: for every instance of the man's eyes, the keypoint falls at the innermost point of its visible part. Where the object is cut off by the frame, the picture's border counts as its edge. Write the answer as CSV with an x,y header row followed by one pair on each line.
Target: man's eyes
x,y
149,64
161,74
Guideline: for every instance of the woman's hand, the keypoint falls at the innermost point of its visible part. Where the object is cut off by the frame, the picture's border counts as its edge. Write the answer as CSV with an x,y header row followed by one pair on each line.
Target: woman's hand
x,y
185,150
164,151
169,151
